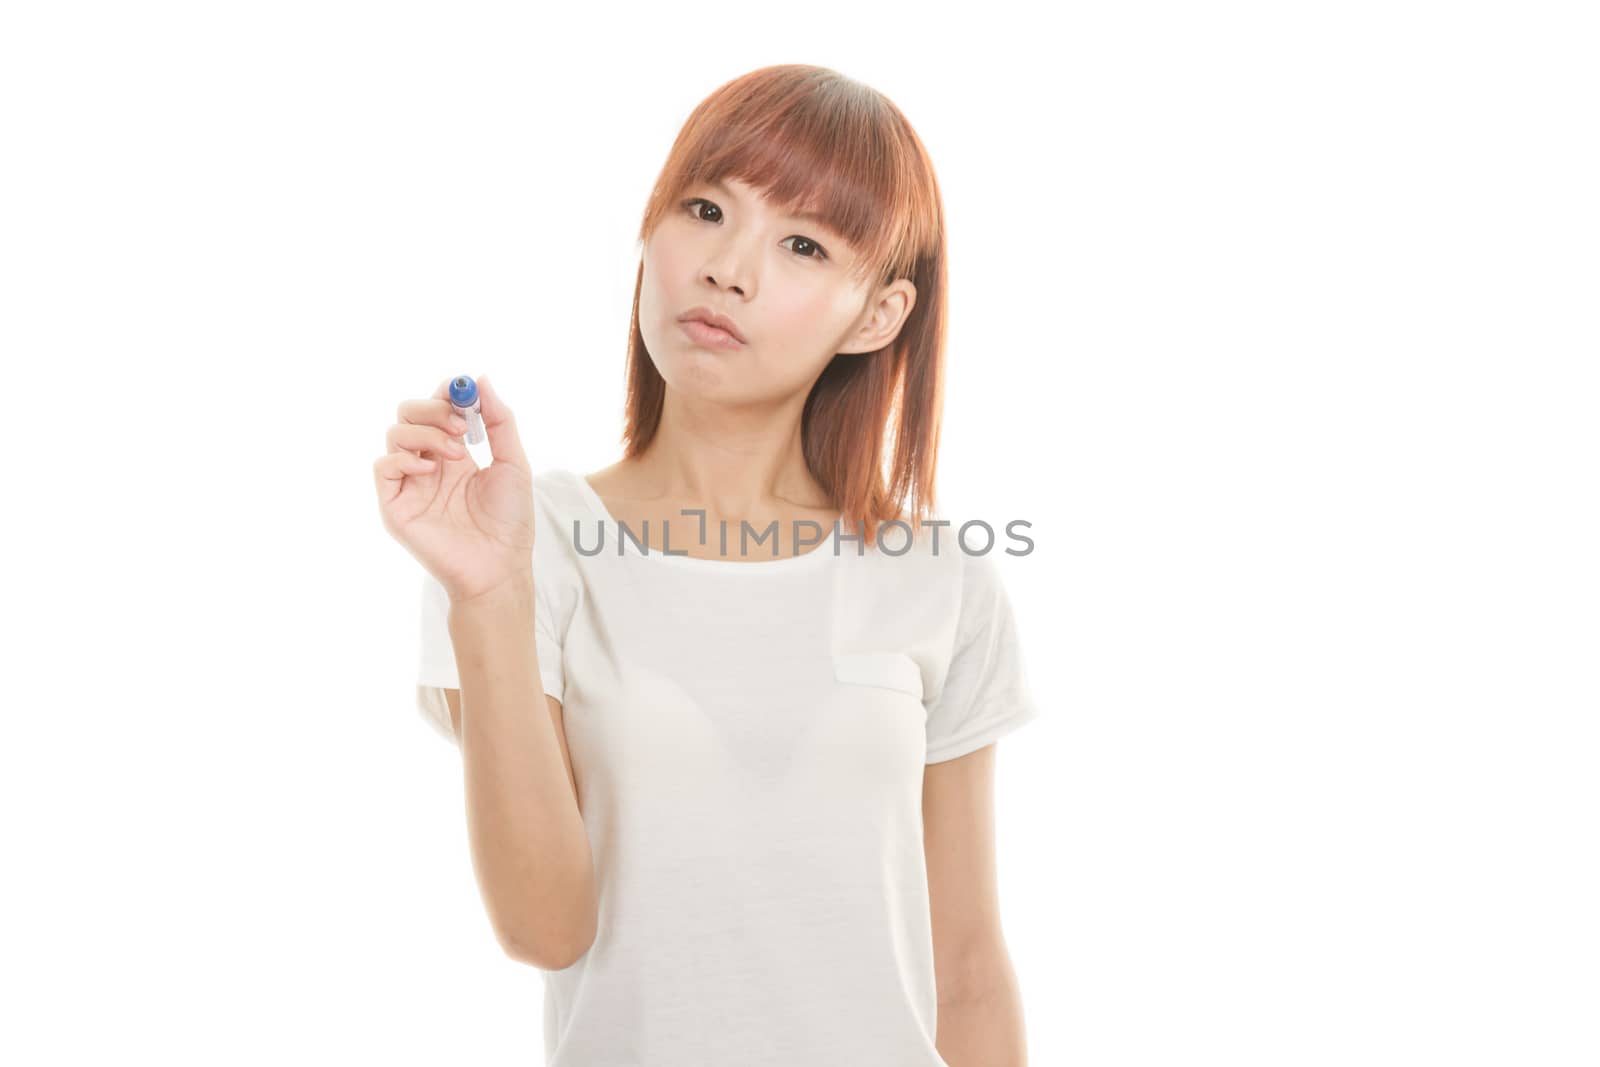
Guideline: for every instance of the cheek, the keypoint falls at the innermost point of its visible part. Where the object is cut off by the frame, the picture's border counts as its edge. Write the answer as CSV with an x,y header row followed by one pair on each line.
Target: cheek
x,y
665,261
665,257
811,315
650,289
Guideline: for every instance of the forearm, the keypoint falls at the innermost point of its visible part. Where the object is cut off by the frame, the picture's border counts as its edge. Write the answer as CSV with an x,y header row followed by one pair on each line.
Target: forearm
x,y
529,847
984,1027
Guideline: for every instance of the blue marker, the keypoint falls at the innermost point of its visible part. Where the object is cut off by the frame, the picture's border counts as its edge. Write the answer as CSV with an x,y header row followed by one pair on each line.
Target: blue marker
x,y
464,398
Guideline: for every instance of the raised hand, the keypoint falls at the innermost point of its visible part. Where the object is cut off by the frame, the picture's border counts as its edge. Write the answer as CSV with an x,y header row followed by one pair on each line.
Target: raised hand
x,y
471,527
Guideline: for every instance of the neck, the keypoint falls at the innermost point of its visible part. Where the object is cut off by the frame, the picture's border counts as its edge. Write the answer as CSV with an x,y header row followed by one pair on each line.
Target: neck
x,y
738,460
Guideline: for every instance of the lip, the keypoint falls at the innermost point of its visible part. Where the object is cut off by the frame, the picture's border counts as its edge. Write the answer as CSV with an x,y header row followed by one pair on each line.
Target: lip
x,y
709,336
706,316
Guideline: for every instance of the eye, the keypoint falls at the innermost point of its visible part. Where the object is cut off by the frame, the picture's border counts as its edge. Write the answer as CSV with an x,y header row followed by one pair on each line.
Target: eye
x,y
808,241
692,205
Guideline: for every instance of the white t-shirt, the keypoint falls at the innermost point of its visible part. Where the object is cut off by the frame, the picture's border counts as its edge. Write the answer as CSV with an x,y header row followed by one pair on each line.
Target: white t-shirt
x,y
748,741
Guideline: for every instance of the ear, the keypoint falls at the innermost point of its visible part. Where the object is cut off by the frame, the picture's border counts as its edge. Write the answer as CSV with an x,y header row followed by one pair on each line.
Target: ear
x,y
880,321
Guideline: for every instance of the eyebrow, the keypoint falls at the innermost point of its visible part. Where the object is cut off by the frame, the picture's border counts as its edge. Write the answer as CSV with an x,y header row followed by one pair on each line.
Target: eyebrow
x,y
805,216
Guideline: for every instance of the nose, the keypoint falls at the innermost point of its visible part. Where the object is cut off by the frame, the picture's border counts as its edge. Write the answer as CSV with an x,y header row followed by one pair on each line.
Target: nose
x,y
736,288
731,266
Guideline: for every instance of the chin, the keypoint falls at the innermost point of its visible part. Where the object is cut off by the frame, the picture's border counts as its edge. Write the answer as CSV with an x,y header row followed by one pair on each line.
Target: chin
x,y
693,371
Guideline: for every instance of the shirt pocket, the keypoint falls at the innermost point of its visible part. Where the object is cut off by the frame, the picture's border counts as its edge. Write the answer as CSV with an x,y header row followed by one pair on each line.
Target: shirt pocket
x,y
886,670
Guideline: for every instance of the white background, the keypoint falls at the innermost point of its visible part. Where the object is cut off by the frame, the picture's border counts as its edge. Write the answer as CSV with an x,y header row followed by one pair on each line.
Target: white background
x,y
1276,320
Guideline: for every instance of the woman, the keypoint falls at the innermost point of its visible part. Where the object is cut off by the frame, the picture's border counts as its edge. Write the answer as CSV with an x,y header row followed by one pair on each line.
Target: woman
x,y
755,826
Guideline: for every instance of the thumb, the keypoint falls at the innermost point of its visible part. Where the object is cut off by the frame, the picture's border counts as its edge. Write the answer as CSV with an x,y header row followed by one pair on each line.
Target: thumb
x,y
501,426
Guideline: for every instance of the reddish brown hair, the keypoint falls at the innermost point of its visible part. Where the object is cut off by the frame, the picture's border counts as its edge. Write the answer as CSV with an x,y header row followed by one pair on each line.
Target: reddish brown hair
x,y
811,139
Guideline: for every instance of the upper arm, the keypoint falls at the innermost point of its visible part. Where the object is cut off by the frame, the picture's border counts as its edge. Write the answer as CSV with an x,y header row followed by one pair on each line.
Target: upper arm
x,y
983,693
452,698
958,841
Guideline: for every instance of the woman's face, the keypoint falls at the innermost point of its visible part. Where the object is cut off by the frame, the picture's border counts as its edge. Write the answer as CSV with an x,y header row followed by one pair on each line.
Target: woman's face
x,y
783,281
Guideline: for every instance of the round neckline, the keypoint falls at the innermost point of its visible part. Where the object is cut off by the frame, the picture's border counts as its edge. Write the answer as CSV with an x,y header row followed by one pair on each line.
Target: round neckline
x,y
825,548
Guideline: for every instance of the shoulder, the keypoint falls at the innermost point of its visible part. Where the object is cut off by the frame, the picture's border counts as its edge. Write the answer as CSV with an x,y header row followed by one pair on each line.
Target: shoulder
x,y
558,502
557,495
960,566
909,581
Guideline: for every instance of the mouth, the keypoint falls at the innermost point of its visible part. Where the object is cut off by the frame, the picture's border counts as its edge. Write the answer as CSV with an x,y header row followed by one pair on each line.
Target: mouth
x,y
724,328
708,336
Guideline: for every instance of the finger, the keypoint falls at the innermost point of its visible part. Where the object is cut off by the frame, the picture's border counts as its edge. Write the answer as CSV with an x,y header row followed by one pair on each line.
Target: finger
x,y
505,444
391,469
431,412
416,438
394,466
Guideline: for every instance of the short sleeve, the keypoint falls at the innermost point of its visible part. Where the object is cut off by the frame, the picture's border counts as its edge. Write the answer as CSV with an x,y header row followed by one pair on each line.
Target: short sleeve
x,y
436,659
985,694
